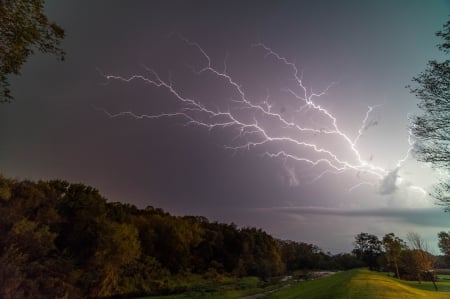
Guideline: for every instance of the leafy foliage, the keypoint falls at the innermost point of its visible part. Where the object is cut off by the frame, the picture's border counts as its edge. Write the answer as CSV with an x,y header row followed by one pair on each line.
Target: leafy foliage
x,y
65,240
24,28
413,262
368,249
393,247
444,242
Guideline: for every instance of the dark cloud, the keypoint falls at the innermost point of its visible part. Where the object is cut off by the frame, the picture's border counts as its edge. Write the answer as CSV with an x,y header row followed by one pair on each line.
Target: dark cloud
x,y
421,216
388,184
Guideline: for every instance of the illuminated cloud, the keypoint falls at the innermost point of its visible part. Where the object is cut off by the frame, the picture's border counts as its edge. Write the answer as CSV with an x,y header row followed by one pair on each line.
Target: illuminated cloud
x,y
291,176
421,216
388,184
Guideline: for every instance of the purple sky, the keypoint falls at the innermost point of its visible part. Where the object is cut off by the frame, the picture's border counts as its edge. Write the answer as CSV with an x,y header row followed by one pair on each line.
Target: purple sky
x,y
367,50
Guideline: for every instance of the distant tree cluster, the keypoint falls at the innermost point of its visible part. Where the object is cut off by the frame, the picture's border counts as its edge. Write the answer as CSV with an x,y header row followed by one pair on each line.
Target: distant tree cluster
x,y
62,240
411,261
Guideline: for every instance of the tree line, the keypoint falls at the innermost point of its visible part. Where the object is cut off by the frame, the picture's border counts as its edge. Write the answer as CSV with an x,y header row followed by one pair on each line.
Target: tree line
x,y
409,260
59,240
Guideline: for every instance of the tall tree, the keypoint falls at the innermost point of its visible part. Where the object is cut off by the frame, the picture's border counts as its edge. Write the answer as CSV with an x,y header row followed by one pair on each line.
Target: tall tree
x,y
393,247
368,249
432,128
117,247
24,28
425,261
444,243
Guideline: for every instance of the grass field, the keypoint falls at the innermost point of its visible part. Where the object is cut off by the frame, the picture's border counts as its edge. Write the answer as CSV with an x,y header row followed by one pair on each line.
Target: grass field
x,y
362,284
230,294
229,289
353,284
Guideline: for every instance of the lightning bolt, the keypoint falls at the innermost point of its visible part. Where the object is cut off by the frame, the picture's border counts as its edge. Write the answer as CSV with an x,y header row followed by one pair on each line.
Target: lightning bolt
x,y
254,122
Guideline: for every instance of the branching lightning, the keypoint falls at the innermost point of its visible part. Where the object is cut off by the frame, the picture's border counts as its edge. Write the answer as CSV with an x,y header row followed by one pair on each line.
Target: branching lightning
x,y
290,141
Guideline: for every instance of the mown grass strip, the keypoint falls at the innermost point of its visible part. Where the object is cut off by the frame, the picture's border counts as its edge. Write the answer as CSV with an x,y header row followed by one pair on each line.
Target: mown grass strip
x,y
353,284
359,284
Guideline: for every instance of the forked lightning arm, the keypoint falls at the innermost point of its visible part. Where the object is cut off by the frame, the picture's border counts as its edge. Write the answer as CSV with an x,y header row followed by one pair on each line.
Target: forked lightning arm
x,y
251,132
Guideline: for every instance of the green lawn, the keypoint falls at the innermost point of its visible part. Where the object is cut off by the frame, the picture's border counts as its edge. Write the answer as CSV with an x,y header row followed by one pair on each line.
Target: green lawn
x,y
444,277
356,284
232,294
353,284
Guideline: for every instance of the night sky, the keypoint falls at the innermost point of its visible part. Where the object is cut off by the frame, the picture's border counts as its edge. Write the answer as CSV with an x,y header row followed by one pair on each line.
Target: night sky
x,y
71,121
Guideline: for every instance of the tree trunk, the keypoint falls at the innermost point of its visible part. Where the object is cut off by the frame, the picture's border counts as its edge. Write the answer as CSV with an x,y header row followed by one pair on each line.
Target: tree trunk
x,y
396,270
432,279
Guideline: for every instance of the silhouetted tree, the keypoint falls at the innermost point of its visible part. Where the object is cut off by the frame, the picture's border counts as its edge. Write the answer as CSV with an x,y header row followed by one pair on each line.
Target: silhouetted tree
x,y
344,261
393,247
368,249
432,128
24,28
444,243
300,255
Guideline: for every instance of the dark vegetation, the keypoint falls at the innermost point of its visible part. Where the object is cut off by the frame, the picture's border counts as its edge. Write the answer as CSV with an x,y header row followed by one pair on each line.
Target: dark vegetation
x,y
431,129
24,28
59,239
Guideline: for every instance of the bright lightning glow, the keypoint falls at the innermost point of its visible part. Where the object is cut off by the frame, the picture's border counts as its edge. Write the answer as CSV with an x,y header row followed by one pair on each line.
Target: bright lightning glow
x,y
419,189
290,142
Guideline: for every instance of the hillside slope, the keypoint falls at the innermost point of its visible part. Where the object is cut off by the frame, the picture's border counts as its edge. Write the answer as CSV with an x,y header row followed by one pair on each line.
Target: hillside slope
x,y
356,284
